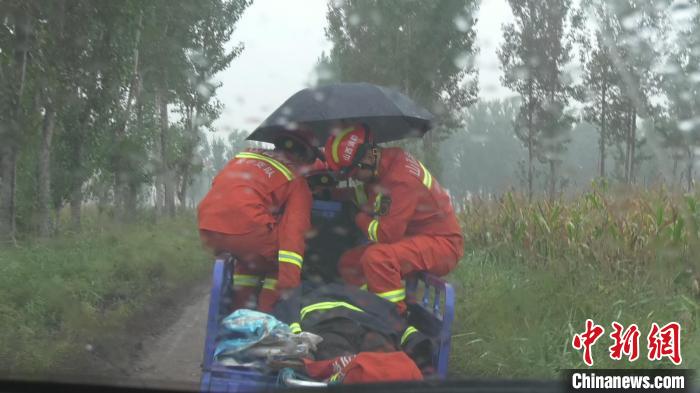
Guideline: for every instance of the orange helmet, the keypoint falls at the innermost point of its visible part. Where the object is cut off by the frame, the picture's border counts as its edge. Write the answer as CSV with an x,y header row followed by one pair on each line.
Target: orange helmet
x,y
345,150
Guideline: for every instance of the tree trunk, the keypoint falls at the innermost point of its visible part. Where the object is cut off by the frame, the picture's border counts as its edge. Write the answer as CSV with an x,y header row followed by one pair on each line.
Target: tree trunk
x,y
160,170
76,201
121,179
675,170
134,187
603,115
45,173
552,180
689,169
628,150
131,201
9,151
633,140
8,171
168,186
182,192
529,142
158,194
76,197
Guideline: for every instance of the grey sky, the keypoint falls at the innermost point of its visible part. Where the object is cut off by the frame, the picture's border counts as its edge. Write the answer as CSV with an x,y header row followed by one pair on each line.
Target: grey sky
x,y
283,40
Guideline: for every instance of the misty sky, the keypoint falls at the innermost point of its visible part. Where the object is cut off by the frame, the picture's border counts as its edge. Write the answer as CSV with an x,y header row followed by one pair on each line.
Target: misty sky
x,y
283,40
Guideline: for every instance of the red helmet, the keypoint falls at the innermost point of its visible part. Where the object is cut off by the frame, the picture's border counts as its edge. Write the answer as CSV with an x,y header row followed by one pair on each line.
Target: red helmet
x,y
344,150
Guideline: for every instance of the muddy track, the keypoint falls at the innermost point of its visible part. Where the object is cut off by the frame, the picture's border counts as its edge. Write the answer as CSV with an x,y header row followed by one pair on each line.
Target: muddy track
x,y
172,357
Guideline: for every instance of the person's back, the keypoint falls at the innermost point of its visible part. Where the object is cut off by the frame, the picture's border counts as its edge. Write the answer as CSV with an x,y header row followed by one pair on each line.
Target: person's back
x,y
426,206
259,210
248,192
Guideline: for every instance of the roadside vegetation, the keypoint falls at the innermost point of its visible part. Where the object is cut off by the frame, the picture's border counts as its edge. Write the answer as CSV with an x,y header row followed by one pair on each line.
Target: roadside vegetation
x,y
534,272
64,297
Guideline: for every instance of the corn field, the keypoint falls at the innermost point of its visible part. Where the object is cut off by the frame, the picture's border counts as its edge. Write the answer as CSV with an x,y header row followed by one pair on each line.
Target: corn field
x,y
620,231
534,272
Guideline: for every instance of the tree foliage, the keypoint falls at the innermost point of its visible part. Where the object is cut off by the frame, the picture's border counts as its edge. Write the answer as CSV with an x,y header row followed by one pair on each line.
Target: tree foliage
x,y
106,101
537,46
425,49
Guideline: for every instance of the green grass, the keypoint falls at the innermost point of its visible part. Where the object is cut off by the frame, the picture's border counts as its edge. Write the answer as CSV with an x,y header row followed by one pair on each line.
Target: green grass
x,y
516,318
534,272
63,295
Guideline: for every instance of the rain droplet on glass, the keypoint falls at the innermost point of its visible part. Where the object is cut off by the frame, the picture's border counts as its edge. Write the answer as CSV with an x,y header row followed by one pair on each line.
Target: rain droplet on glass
x,y
461,23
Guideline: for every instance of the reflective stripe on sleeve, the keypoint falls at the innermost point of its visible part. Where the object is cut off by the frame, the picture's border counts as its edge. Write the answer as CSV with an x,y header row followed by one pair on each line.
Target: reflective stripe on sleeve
x,y
245,280
394,296
372,230
427,177
290,257
410,330
327,306
269,283
295,328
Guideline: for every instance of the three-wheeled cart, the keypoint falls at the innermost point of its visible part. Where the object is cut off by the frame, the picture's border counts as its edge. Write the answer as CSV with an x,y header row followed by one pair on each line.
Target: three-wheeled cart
x,y
430,300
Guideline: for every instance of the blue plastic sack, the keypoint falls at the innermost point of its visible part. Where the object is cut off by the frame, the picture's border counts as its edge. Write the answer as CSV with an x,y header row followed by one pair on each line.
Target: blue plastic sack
x,y
245,328
252,338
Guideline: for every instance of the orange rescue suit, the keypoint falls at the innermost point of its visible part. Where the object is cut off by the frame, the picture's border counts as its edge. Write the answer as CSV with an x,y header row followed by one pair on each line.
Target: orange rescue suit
x,y
409,220
259,210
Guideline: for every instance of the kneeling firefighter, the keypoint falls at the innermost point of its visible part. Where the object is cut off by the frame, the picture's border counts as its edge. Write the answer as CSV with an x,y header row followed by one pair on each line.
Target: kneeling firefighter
x,y
258,209
406,215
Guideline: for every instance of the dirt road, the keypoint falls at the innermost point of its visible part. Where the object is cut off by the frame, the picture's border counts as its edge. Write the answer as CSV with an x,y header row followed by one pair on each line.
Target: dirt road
x,y
172,358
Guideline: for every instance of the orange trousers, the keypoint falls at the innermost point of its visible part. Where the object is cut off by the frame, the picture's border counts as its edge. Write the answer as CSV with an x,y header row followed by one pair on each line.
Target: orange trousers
x,y
256,265
382,266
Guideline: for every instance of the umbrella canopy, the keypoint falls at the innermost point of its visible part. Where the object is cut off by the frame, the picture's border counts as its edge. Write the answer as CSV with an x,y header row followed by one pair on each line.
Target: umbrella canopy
x,y
389,114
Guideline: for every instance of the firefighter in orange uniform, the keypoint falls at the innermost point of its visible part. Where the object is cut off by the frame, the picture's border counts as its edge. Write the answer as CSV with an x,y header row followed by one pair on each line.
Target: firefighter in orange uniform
x,y
258,209
405,214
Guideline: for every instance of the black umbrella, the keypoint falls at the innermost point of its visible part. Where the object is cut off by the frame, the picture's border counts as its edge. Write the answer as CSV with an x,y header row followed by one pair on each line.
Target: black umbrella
x,y
389,114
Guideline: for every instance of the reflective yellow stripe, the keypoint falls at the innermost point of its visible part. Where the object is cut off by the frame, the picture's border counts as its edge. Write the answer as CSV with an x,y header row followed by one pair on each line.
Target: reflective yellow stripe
x,y
427,177
292,261
336,143
295,328
363,287
360,195
410,330
278,165
377,203
372,230
290,257
245,280
327,306
269,283
394,296
334,377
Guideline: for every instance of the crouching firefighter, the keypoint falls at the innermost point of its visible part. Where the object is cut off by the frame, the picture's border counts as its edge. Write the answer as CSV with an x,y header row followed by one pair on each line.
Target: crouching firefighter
x,y
405,214
258,209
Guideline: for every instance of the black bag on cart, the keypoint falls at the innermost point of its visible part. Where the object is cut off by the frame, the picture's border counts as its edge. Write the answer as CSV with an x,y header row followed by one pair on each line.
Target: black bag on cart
x,y
351,321
333,232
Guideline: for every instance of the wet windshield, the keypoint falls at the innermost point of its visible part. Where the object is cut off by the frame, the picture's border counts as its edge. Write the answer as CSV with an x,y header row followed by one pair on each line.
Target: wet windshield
x,y
459,188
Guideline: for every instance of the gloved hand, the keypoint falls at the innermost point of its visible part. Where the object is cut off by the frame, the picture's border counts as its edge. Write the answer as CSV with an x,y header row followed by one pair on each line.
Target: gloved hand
x,y
382,205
